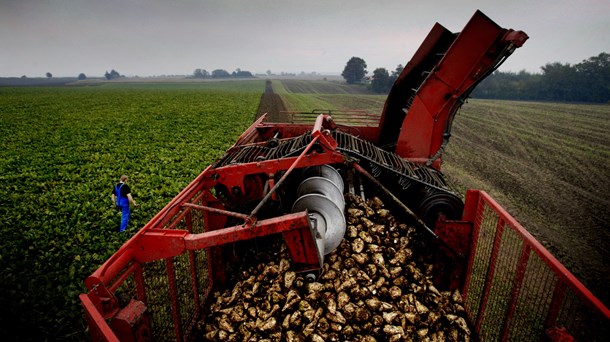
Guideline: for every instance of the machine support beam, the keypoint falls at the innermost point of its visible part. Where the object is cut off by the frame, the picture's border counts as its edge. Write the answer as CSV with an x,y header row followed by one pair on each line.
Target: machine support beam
x,y
159,244
239,233
217,211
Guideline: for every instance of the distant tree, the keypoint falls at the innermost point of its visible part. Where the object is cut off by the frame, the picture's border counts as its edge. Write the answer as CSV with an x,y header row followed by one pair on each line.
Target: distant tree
x,y
220,73
201,73
269,73
594,75
381,81
241,73
558,82
82,76
511,86
588,81
49,75
24,76
397,72
354,70
112,74
394,75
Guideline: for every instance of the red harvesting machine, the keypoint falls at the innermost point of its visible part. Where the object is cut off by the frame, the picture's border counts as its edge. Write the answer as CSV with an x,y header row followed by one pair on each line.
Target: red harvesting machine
x,y
289,178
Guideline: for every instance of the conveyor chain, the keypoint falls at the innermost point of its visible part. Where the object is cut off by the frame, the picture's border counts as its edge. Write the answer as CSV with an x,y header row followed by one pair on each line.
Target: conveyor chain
x,y
258,152
383,160
380,160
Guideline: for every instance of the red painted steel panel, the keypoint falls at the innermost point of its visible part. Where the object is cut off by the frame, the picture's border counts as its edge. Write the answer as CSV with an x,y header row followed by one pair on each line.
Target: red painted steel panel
x,y
239,233
131,323
415,134
472,209
250,133
558,298
470,52
517,283
549,259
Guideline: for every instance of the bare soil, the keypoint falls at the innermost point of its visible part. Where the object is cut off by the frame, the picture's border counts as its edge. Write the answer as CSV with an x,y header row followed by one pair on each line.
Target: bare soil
x,y
271,103
547,164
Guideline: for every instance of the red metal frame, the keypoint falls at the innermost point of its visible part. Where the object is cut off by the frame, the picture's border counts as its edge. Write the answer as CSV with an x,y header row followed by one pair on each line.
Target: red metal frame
x,y
480,208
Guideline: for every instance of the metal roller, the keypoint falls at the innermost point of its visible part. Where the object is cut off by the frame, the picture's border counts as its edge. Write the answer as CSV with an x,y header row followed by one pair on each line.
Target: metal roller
x,y
437,203
328,219
327,172
321,194
322,186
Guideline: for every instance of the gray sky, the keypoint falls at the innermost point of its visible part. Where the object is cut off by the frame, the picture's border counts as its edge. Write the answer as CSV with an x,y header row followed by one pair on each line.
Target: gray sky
x,y
163,37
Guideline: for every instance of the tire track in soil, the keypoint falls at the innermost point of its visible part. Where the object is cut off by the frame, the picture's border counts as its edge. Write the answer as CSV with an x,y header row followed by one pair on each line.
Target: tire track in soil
x,y
272,104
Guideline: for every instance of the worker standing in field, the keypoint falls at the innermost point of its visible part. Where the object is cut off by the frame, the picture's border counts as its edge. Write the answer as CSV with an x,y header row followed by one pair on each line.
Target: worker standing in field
x,y
121,197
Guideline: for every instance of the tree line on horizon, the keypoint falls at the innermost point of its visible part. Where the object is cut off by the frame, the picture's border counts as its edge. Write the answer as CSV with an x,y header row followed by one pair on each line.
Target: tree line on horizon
x,y
221,73
588,81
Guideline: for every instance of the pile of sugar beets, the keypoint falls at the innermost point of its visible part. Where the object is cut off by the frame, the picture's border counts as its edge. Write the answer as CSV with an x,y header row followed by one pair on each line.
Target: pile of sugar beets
x,y
375,287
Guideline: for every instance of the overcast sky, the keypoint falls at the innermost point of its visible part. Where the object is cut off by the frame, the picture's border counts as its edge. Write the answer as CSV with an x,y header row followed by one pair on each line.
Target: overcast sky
x,y
174,37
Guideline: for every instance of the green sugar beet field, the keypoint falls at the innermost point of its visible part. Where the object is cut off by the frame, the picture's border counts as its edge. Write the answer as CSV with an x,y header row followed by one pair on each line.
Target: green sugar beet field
x,y
62,149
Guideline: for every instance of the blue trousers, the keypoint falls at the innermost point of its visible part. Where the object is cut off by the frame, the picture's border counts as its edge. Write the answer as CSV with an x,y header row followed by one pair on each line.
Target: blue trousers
x,y
125,212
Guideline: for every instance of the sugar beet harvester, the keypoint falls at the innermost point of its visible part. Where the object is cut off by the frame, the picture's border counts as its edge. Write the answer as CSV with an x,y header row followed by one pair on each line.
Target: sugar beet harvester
x,y
289,179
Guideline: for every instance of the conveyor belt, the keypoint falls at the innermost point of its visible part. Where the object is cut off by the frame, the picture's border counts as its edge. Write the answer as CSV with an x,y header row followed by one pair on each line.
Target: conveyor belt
x,y
257,152
380,160
383,160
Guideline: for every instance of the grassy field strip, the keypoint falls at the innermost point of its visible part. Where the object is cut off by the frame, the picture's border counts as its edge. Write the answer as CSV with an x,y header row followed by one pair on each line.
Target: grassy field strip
x,y
323,87
298,101
278,87
304,102
369,103
302,95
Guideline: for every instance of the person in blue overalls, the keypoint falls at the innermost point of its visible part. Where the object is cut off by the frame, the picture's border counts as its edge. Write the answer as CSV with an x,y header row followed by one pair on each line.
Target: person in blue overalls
x,y
121,197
